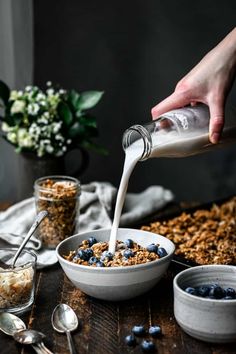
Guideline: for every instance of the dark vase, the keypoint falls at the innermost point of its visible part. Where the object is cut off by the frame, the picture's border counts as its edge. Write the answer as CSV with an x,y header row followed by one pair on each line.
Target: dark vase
x,y
31,167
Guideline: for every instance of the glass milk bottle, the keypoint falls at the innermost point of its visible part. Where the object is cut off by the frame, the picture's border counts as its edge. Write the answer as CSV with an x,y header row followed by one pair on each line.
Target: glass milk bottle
x,y
178,133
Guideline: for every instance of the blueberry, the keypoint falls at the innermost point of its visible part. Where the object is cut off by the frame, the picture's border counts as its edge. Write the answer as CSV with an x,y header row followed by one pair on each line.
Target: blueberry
x,y
148,346
230,292
82,254
217,292
100,264
130,340
107,255
129,243
152,248
154,331
161,252
92,241
191,290
93,260
138,331
89,252
128,253
203,290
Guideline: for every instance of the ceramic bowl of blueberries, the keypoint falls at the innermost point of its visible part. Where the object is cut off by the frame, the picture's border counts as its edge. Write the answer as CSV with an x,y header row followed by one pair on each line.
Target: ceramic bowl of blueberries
x,y
205,302
121,282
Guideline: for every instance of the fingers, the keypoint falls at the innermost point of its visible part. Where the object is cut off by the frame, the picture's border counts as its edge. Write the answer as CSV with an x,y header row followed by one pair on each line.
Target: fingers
x,y
176,100
216,121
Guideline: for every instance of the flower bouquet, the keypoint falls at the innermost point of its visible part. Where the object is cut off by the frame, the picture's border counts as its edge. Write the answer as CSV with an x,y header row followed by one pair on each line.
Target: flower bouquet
x,y
49,122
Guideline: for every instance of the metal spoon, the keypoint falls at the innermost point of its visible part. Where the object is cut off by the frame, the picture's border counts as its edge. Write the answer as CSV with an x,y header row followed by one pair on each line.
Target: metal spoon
x,y
11,325
41,215
35,338
64,320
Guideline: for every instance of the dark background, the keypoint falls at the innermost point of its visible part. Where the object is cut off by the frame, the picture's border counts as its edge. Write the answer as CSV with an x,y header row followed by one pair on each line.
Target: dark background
x,y
135,51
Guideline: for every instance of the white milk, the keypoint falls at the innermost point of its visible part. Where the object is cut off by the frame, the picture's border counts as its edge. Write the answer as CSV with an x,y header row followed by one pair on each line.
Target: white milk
x,y
170,144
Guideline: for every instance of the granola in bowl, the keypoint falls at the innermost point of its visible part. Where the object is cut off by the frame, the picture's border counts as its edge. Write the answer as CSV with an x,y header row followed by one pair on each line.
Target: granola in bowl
x,y
128,253
205,236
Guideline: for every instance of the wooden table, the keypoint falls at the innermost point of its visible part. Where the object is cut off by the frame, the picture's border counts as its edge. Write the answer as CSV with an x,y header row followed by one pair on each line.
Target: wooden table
x,y
104,325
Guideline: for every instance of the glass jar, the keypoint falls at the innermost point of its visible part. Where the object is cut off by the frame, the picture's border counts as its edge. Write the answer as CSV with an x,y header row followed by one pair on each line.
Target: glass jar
x,y
178,133
59,195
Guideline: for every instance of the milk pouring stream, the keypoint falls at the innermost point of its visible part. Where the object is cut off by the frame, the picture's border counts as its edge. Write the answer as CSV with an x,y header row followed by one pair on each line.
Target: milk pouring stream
x,y
178,133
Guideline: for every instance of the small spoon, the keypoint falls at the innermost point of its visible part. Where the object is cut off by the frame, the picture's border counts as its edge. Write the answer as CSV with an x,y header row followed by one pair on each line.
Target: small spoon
x,y
64,320
39,218
30,336
11,324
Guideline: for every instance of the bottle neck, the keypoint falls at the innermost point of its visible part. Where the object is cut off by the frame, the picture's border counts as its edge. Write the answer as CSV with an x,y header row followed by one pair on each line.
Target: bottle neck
x,y
140,136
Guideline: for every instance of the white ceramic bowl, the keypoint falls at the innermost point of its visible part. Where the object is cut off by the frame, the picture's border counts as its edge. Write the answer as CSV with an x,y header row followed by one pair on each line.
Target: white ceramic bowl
x,y
115,283
203,318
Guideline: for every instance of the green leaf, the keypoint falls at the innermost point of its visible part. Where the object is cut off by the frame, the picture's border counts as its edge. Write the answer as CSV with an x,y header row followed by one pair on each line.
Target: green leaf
x,y
95,147
88,121
89,99
74,130
65,112
4,92
73,98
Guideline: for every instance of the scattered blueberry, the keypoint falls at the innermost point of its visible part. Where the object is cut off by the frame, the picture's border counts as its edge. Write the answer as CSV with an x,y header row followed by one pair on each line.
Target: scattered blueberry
x,y
130,340
100,264
148,346
203,290
92,241
217,292
154,331
230,292
138,331
128,253
93,260
161,252
152,248
82,254
129,243
107,255
191,290
89,252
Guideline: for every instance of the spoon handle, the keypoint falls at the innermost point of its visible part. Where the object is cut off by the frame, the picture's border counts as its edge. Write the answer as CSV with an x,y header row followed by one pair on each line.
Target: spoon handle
x,y
41,215
40,348
71,343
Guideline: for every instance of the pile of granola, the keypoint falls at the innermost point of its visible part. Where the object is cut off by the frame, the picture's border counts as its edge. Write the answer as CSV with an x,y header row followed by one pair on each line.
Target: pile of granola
x,y
206,236
96,254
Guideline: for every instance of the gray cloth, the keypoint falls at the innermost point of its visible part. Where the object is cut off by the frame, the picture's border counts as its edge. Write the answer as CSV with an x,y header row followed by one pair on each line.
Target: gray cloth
x,y
96,204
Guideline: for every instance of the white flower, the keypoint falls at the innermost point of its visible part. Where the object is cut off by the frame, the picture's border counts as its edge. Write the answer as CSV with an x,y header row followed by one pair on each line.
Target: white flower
x,y
56,127
64,148
50,92
59,137
61,91
33,109
40,96
69,141
5,127
20,93
18,106
49,83
12,137
24,138
13,95
28,88
49,149
46,115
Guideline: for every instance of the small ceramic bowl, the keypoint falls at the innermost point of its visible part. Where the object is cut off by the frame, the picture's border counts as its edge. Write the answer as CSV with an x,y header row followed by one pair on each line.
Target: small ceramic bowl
x,y
207,319
115,283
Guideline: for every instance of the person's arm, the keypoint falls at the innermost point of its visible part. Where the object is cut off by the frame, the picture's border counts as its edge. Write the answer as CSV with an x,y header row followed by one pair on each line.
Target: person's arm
x,y
208,82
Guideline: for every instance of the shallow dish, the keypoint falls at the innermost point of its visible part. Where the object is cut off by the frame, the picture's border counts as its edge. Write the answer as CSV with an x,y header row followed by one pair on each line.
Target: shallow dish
x,y
210,320
115,283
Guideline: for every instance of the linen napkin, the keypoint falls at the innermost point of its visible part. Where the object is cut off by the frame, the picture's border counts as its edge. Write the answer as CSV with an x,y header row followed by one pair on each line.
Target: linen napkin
x,y
96,207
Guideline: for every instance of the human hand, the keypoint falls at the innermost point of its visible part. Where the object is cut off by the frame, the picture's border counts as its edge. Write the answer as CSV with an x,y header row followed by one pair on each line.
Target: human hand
x,y
208,82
